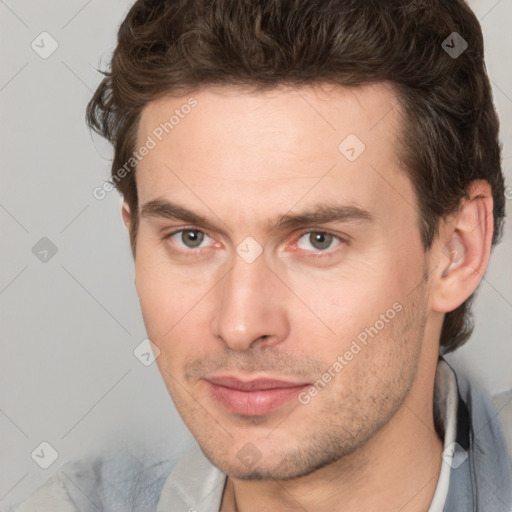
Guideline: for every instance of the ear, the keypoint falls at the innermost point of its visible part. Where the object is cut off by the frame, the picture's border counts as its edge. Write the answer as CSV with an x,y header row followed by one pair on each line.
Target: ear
x,y
463,249
127,217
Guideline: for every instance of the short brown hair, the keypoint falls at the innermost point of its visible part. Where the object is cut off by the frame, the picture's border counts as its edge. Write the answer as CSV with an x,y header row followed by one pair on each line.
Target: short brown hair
x,y
450,133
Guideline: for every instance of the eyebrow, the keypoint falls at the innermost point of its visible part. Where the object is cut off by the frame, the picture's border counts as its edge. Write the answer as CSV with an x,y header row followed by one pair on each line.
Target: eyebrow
x,y
318,214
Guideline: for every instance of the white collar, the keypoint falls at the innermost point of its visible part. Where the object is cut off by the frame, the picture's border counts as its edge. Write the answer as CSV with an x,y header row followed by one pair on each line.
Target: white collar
x,y
446,400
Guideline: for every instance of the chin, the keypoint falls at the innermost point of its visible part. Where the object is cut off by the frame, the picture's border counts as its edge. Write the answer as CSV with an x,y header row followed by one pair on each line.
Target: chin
x,y
288,466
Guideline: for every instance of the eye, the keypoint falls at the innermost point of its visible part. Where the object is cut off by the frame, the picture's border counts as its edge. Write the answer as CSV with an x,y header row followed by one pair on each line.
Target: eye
x,y
320,240
188,238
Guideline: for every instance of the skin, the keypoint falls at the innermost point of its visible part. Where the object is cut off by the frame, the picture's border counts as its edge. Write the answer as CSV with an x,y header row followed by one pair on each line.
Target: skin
x,y
243,159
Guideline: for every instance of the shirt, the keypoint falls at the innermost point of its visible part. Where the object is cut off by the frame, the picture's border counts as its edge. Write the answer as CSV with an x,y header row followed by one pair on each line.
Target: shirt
x,y
475,475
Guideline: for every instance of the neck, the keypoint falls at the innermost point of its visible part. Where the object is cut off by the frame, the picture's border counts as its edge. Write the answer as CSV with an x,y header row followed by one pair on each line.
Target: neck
x,y
399,467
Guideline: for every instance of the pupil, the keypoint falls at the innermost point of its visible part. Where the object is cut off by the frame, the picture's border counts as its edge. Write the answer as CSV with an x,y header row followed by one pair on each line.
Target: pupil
x,y
192,238
321,240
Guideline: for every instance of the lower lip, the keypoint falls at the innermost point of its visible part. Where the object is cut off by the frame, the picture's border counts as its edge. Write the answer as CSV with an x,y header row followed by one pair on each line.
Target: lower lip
x,y
253,403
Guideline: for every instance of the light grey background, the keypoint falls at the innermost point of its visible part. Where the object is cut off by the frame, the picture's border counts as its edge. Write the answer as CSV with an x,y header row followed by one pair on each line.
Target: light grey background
x,y
68,375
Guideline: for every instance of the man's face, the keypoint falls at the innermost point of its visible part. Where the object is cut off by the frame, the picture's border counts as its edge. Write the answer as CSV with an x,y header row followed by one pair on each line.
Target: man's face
x,y
348,290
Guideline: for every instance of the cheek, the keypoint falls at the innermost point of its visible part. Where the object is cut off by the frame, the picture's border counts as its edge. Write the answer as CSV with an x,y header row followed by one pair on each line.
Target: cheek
x,y
153,298
173,308
163,290
162,303
377,362
348,299
361,313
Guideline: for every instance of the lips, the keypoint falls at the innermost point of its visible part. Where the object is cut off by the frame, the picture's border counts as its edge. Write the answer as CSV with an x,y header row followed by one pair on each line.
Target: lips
x,y
255,397
253,385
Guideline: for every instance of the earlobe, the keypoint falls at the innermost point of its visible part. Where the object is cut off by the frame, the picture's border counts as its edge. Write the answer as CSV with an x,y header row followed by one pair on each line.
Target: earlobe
x,y
463,249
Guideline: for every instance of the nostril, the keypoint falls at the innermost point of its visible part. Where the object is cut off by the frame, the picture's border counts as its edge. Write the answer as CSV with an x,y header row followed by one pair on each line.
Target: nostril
x,y
259,339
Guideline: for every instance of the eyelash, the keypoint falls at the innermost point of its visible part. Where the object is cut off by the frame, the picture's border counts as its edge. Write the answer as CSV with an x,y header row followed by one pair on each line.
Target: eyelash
x,y
314,254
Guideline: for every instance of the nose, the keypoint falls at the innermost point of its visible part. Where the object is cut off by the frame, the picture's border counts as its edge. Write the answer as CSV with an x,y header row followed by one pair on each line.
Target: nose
x,y
251,306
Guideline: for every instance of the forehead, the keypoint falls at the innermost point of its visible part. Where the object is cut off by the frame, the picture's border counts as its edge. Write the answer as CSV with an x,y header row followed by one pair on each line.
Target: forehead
x,y
269,149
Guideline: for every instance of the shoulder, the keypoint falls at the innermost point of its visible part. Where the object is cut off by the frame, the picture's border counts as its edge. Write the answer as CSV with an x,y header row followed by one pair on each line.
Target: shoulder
x,y
489,469
50,497
193,484
120,481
